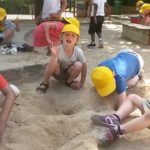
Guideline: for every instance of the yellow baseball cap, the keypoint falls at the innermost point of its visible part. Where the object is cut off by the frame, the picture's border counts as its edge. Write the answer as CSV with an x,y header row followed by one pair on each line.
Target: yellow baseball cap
x,y
139,3
71,28
2,13
73,20
145,7
103,80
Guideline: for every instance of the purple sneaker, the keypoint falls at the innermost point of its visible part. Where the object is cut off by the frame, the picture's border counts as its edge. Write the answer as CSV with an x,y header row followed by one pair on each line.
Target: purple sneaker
x,y
109,121
108,137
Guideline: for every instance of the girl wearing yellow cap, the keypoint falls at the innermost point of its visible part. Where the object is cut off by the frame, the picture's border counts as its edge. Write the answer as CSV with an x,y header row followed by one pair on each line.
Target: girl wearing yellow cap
x,y
67,61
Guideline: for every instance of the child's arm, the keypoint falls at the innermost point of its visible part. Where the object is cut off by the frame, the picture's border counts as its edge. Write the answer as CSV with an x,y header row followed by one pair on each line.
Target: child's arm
x,y
49,26
64,4
83,74
16,22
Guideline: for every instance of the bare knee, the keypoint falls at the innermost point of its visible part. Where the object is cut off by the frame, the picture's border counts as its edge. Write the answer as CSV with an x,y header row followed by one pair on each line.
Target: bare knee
x,y
75,68
78,66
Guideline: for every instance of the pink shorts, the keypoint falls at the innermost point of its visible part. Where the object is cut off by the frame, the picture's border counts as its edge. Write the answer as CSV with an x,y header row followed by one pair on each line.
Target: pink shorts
x,y
39,39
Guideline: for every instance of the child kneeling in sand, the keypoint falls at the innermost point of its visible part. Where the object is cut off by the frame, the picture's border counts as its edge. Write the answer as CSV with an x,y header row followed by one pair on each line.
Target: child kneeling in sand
x,y
7,27
67,61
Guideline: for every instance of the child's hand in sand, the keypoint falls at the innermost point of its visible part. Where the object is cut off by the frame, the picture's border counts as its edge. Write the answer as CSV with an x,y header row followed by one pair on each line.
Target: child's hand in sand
x,y
76,85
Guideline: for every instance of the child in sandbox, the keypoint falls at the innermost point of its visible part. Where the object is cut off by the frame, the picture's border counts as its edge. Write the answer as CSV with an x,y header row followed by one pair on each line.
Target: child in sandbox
x,y
67,61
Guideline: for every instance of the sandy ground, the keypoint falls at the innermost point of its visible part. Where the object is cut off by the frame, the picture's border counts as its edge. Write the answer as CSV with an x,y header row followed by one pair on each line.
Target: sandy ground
x,y
60,119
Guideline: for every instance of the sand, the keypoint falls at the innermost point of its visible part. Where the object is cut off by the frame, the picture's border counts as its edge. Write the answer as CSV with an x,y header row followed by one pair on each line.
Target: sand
x,y
60,119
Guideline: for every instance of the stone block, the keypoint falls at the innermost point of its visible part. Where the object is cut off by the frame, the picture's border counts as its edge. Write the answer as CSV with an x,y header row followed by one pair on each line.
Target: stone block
x,y
136,32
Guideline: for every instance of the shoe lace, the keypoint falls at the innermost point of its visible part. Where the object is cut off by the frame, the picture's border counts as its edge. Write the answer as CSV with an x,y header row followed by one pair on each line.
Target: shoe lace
x,y
111,120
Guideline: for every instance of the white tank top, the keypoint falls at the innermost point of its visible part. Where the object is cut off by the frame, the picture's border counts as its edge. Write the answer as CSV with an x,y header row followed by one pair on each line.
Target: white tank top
x,y
49,7
100,9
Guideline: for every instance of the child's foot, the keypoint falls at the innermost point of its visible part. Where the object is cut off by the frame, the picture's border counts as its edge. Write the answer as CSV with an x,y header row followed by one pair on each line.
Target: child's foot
x,y
109,121
101,44
91,45
108,137
42,88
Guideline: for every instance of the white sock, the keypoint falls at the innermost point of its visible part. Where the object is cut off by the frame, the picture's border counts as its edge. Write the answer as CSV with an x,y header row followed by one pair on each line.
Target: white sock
x,y
15,90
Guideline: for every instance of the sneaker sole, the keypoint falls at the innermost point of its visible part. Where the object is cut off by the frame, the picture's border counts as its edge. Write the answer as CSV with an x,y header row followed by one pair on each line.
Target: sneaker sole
x,y
102,141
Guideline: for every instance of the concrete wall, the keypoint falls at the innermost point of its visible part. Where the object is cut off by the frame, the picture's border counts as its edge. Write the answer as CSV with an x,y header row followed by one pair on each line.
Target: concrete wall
x,y
136,32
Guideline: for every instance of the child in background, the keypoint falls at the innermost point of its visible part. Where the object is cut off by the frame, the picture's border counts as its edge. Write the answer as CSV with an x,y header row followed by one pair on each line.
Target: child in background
x,y
48,33
52,10
145,12
7,27
67,61
96,21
